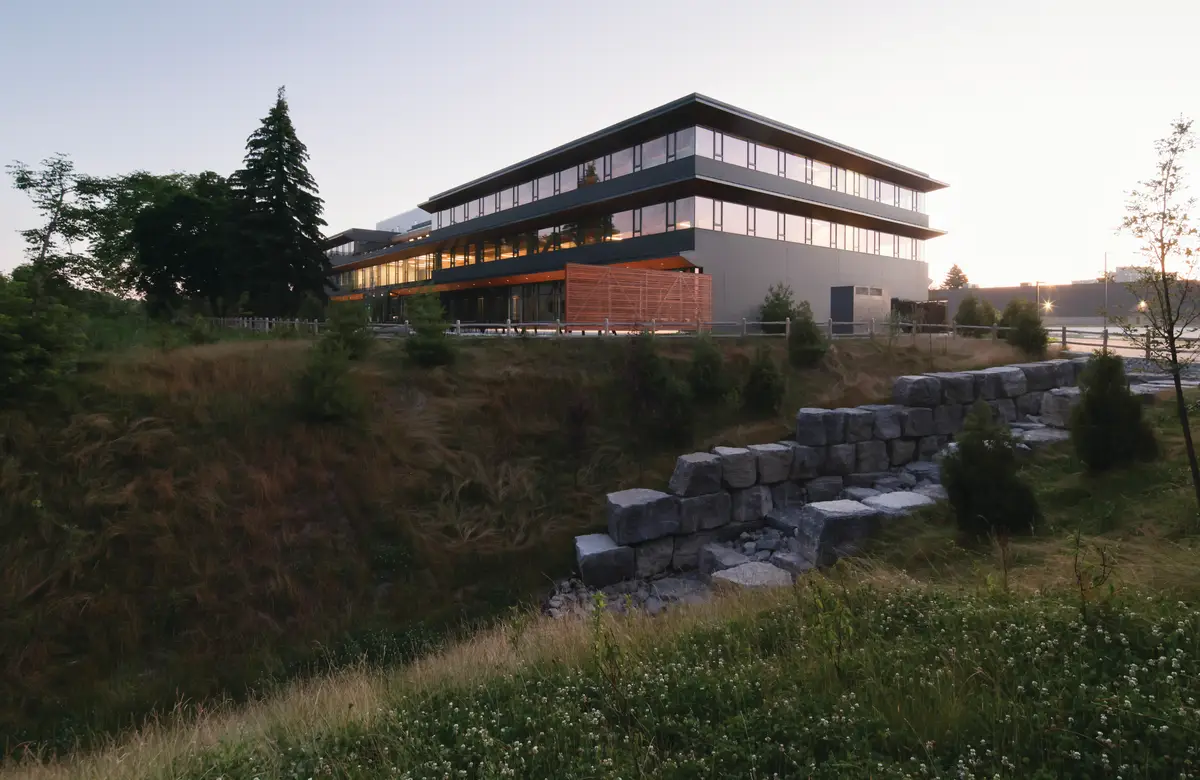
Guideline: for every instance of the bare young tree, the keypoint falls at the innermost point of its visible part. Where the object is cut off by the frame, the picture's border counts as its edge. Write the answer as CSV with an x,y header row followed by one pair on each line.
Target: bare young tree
x,y
1158,216
50,248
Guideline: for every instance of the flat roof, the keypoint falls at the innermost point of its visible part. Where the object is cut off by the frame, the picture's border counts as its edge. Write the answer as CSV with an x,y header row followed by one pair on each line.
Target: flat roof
x,y
692,109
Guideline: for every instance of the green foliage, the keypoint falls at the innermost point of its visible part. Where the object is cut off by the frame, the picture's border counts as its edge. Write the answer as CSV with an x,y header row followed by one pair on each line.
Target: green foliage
x,y
778,305
39,341
280,217
974,311
311,308
955,278
763,392
806,344
427,345
346,329
660,404
51,247
1025,330
199,331
325,391
827,684
983,482
708,376
1108,428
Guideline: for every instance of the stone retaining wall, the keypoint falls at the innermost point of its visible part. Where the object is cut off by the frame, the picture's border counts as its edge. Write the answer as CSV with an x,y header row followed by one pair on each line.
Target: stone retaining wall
x,y
806,487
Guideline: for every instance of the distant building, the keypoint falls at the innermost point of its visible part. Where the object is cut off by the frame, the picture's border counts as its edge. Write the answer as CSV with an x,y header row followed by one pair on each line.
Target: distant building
x,y
695,186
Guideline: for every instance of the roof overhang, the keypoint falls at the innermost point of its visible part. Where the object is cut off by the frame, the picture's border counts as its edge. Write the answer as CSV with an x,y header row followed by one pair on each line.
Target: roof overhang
x,y
693,109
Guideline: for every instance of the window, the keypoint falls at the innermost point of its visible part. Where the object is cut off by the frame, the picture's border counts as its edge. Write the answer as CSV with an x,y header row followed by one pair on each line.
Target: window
x,y
919,253
489,251
622,163
590,172
704,142
568,179
904,247
887,244
525,193
794,167
766,224
766,159
547,239
904,198
654,219
545,187
622,225
506,198
820,232
866,187
685,213
919,201
735,151
704,213
841,178
685,143
793,228
887,193
734,218
489,204
654,153
505,248
876,292
566,236
838,236
821,174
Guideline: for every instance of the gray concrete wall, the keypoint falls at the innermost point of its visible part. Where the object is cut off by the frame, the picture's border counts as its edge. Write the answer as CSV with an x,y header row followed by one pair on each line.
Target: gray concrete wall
x,y
1071,303
743,268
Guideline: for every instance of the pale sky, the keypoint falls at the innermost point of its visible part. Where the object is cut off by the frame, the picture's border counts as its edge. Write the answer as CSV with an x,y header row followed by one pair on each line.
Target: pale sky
x,y
1040,115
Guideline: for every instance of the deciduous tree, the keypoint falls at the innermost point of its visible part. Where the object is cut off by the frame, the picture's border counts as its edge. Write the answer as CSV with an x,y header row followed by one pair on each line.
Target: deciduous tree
x,y
955,279
53,247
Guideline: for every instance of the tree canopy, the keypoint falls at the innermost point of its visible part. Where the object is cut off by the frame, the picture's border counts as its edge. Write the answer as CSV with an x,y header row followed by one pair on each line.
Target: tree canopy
x,y
955,279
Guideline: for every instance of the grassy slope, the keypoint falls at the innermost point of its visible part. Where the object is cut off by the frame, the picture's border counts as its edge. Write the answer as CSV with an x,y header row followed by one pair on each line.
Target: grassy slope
x,y
178,533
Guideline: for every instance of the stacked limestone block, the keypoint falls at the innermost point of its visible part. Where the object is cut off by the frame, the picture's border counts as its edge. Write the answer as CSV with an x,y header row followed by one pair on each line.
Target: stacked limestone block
x,y
838,457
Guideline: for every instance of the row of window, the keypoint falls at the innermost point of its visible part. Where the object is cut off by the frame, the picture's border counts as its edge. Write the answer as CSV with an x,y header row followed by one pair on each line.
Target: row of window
x,y
411,269
658,218
684,143
758,157
650,154
765,223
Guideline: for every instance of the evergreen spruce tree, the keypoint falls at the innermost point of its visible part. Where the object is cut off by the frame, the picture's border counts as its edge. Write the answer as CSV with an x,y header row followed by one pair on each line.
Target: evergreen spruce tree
x,y
955,279
280,218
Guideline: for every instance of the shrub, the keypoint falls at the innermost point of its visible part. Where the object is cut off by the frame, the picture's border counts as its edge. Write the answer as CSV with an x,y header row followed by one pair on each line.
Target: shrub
x,y
778,305
983,483
347,329
806,343
311,308
1024,324
427,345
975,312
707,374
39,342
1107,427
660,404
763,391
325,391
199,331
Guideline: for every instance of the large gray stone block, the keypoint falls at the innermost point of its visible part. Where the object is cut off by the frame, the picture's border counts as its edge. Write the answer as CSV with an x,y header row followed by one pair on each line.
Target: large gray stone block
x,y
1064,372
859,493
901,451
686,555
794,564
887,420
987,384
701,513
696,474
927,447
835,426
774,462
1011,379
871,456
810,427
751,504
948,419
958,387
860,424
1038,376
715,557
807,462
825,488
1029,404
601,561
1004,410
653,557
828,530
1057,405
840,459
925,471
756,574
788,493
739,467
899,503
916,421
1079,364
865,479
917,391
639,515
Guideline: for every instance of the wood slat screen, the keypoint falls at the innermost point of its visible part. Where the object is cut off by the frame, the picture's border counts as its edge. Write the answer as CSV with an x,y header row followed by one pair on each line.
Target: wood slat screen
x,y
626,295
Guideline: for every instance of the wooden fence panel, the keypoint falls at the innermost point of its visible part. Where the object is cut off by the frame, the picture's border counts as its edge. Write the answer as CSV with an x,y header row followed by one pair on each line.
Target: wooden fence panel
x,y
595,293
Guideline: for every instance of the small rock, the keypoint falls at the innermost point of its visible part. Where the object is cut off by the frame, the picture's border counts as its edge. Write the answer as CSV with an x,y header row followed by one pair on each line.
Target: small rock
x,y
925,470
755,574
762,555
749,548
770,545
791,562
